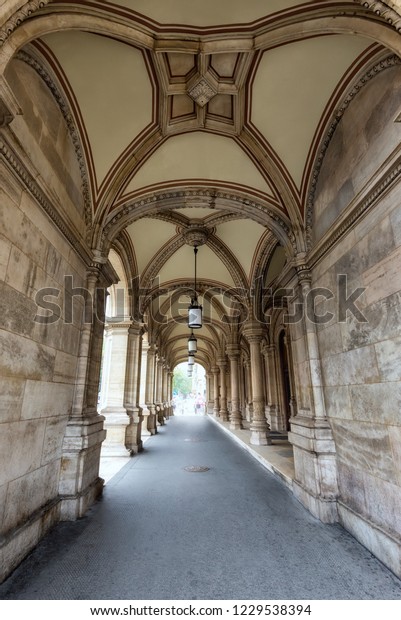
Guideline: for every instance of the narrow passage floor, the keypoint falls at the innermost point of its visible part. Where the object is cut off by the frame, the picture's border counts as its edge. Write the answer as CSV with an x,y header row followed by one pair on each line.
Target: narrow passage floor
x,y
230,532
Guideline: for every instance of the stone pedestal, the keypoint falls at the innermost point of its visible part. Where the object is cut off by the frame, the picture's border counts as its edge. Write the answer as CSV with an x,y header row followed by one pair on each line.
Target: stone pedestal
x,y
80,484
115,424
133,431
315,484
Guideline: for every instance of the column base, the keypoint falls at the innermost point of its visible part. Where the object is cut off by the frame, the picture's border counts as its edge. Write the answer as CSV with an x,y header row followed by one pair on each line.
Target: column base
x,y
151,420
260,438
323,508
133,441
260,433
277,423
236,421
115,424
80,484
315,483
223,415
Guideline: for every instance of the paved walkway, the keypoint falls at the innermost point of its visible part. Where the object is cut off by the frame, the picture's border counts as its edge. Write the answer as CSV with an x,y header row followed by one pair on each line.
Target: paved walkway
x,y
232,532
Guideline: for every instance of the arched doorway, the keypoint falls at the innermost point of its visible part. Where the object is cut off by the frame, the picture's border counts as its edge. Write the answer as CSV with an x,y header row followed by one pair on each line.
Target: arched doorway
x,y
189,393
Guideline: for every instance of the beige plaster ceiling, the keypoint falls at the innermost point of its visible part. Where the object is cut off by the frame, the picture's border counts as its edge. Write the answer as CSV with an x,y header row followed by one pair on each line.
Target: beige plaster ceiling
x,y
208,13
207,114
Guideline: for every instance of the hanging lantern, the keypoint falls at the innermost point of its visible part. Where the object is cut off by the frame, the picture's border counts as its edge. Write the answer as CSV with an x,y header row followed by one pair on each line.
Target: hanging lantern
x,y
195,309
191,360
192,344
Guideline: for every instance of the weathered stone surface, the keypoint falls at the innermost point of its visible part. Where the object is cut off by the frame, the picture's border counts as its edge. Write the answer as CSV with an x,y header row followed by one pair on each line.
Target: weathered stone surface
x,y
44,132
365,447
53,442
5,249
64,368
16,311
383,279
378,402
16,227
351,483
27,494
355,366
383,500
20,357
330,340
44,399
15,459
338,402
363,140
12,393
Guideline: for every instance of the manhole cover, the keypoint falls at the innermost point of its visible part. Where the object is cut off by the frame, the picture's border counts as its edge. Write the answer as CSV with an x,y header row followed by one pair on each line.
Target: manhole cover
x,y
196,468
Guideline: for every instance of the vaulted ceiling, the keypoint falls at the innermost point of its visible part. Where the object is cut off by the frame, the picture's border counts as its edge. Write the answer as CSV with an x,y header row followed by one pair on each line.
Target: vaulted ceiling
x,y
204,116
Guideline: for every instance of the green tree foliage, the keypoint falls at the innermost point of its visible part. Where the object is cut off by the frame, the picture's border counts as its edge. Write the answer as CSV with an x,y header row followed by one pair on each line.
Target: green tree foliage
x,y
182,384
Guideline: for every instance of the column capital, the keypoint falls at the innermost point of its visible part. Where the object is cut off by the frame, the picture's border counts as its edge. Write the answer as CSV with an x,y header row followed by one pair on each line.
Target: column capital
x,y
268,349
136,328
222,362
152,349
215,370
117,325
233,351
254,331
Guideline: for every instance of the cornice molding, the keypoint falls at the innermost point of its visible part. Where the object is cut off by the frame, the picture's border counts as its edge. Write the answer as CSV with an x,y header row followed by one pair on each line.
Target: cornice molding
x,y
210,198
377,68
50,81
20,16
17,167
356,212
382,10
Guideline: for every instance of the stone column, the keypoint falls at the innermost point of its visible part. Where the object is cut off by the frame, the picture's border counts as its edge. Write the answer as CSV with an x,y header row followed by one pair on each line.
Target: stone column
x,y
159,392
315,483
223,413
233,353
209,393
133,441
165,397
170,377
260,432
150,389
114,384
79,483
248,383
216,405
277,423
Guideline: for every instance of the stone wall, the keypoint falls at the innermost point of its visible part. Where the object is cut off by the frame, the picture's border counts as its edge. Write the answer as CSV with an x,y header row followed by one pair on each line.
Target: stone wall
x,y
361,361
363,140
37,360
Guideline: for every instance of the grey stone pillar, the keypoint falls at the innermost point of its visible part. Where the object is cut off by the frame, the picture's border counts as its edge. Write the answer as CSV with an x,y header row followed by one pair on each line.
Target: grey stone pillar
x,y
270,354
113,387
150,389
315,483
159,392
216,398
248,390
209,393
79,483
260,432
223,413
233,353
133,441
170,376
